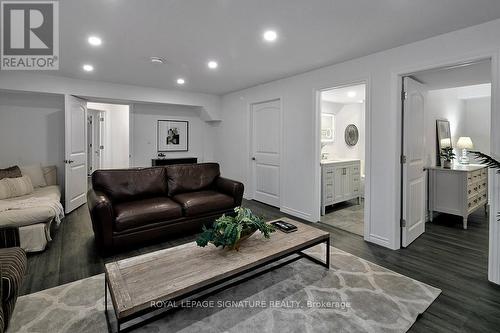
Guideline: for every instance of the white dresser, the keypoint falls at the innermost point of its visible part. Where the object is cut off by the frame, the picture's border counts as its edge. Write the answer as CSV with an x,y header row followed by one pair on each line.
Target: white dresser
x,y
340,181
458,191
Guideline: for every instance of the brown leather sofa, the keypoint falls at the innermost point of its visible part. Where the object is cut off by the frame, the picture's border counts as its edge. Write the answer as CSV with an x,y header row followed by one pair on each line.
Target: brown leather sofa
x,y
138,206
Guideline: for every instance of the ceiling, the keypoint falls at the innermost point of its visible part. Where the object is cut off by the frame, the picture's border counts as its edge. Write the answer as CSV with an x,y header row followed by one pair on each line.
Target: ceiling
x,y
345,95
187,33
457,76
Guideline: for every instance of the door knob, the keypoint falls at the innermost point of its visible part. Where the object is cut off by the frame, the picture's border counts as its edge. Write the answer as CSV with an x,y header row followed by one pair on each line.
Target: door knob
x,y
253,158
68,161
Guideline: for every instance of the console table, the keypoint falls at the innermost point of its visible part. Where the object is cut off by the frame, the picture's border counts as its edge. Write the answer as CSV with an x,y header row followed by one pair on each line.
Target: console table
x,y
460,190
170,161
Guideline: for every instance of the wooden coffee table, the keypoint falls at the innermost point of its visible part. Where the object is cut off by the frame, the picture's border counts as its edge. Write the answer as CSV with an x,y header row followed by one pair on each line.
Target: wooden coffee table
x,y
171,275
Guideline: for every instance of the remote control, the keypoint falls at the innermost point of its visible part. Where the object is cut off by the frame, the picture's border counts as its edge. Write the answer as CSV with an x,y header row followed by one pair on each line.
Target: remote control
x,y
284,226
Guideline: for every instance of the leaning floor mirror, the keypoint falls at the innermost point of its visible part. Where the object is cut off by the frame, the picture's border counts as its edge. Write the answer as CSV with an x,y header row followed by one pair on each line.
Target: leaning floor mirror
x,y
443,135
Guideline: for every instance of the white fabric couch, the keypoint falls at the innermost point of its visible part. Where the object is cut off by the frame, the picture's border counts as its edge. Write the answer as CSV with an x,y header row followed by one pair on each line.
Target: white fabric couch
x,y
34,222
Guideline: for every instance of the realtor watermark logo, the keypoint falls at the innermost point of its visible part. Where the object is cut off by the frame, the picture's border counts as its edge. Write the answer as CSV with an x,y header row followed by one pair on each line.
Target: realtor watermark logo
x,y
30,35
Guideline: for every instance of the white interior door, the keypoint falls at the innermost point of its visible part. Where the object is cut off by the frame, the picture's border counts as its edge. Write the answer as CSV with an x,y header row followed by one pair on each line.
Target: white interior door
x,y
94,139
75,152
266,143
414,176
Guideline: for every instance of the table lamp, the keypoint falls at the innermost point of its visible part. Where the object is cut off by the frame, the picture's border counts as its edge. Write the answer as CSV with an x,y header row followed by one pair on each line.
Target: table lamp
x,y
464,143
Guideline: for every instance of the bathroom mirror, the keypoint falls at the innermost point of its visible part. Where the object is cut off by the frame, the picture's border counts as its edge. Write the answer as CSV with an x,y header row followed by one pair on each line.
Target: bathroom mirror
x,y
327,127
443,135
351,135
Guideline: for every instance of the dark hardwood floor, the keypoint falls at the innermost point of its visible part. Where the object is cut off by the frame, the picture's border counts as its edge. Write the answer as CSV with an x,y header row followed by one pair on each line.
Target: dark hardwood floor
x,y
445,257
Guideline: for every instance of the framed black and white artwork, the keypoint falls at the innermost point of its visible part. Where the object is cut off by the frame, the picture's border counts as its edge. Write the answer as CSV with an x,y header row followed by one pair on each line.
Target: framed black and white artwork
x,y
173,135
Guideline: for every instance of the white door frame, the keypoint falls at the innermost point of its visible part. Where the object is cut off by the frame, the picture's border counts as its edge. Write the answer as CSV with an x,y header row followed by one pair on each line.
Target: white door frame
x,y
250,171
368,148
494,179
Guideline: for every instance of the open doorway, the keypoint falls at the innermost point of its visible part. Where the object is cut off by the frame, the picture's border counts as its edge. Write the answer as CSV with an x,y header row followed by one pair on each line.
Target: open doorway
x,y
343,112
107,136
446,114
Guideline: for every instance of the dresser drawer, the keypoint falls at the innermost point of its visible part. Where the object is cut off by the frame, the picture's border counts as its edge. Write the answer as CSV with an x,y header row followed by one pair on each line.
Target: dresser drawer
x,y
482,185
473,189
484,173
477,200
476,175
355,170
473,202
469,178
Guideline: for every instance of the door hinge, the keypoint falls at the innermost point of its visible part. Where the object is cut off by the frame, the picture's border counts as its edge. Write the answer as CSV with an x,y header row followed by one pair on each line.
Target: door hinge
x,y
404,95
403,223
403,159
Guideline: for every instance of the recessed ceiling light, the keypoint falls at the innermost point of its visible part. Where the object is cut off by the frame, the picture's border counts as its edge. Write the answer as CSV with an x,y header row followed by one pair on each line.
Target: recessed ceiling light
x,y
157,60
181,81
351,94
94,41
88,68
270,36
212,64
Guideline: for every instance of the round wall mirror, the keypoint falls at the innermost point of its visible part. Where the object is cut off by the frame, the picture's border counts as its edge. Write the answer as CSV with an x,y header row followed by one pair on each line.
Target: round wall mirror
x,y
351,135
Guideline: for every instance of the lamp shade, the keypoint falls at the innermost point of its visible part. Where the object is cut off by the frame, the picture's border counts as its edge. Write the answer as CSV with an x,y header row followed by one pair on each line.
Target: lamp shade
x,y
464,142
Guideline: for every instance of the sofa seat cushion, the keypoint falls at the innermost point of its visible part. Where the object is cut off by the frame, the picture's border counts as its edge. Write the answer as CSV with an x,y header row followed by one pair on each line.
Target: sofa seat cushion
x,y
13,261
196,203
137,213
30,215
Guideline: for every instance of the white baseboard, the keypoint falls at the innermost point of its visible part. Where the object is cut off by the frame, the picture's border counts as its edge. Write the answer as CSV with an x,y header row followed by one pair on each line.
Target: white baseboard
x,y
379,240
297,213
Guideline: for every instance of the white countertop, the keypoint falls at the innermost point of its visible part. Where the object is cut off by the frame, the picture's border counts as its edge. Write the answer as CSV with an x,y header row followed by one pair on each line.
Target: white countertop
x,y
339,160
459,167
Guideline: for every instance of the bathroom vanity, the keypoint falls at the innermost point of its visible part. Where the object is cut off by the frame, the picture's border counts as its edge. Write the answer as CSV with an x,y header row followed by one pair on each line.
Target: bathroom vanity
x,y
340,181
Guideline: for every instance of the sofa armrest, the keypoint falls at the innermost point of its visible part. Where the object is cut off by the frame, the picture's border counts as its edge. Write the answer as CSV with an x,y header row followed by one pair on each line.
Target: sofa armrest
x,y
103,218
9,237
230,187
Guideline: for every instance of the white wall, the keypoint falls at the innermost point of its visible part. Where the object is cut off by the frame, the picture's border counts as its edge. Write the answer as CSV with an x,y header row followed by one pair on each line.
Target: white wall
x,y
443,104
144,133
116,134
477,123
346,114
300,172
468,117
32,130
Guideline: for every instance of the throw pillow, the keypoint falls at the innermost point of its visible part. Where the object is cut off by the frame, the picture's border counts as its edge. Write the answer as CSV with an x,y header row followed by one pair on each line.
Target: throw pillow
x,y
15,187
11,172
35,172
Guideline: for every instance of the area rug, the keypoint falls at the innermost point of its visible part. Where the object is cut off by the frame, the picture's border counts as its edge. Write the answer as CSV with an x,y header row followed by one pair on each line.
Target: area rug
x,y
355,295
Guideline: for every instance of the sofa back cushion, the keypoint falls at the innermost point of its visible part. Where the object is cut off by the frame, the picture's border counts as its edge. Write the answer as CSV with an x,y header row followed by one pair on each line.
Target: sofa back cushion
x,y
130,184
184,178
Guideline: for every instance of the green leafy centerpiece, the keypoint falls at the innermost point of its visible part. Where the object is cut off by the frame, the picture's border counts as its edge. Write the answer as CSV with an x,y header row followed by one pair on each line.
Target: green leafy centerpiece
x,y
448,156
230,231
